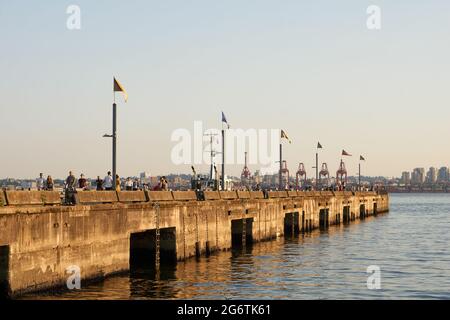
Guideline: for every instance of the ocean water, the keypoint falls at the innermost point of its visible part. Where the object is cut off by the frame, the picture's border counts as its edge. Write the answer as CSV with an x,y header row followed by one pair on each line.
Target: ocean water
x,y
410,246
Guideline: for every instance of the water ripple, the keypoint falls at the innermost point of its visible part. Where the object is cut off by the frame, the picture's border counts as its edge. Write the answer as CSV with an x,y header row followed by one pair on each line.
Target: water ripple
x,y
410,245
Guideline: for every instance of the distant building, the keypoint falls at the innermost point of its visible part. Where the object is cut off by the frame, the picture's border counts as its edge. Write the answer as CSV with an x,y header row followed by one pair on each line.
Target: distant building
x,y
418,176
432,175
28,185
443,175
257,177
154,181
144,178
406,178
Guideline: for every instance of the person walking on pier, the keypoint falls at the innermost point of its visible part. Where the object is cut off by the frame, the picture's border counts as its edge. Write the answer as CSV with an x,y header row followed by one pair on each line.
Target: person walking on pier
x,y
163,184
99,184
49,184
108,182
40,182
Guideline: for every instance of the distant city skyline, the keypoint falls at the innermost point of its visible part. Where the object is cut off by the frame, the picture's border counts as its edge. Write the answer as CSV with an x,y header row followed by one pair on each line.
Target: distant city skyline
x,y
205,171
310,68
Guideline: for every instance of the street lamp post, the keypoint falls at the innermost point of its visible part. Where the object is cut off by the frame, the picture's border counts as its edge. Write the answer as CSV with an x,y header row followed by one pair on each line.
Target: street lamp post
x,y
317,169
223,159
280,177
359,176
114,145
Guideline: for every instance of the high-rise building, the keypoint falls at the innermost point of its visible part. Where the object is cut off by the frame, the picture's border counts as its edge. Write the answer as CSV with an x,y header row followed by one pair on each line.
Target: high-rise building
x,y
406,178
443,175
432,175
144,178
418,176
257,177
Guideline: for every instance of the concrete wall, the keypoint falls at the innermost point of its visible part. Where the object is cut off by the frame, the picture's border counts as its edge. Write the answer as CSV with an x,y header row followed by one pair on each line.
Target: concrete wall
x,y
41,241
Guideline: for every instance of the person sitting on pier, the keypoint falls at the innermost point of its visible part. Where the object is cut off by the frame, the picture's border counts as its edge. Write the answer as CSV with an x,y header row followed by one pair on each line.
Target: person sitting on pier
x,y
82,182
164,184
108,182
49,184
99,183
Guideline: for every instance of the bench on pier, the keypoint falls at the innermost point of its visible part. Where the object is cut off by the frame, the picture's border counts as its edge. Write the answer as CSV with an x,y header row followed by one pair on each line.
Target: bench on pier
x,y
95,197
272,194
184,195
211,195
159,195
30,198
292,194
228,195
256,195
243,194
2,198
131,196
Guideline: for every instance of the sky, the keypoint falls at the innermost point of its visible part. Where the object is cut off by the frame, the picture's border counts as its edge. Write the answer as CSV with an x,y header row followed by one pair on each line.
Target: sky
x,y
312,68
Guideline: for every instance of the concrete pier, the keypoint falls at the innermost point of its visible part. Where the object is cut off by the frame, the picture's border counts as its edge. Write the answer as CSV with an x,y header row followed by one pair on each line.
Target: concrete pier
x,y
107,232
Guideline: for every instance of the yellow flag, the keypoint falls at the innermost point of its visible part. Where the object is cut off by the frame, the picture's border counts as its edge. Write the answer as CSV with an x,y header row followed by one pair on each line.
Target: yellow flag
x,y
119,88
285,136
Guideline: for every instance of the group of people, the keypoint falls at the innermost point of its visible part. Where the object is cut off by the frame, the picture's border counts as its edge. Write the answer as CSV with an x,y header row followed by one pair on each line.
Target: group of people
x,y
105,184
44,184
72,183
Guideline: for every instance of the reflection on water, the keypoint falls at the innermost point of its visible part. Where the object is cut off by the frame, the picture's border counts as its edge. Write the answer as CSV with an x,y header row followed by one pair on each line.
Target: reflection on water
x,y
410,245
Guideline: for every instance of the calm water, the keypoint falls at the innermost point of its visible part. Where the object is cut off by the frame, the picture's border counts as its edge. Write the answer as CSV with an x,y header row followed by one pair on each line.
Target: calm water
x,y
410,245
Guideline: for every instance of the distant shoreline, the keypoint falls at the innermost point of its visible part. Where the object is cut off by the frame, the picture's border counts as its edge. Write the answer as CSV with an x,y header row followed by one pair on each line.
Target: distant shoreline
x,y
417,191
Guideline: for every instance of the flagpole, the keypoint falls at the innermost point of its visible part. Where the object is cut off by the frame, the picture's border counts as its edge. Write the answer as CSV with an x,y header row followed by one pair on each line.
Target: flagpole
x,y
317,169
359,175
114,143
281,166
223,158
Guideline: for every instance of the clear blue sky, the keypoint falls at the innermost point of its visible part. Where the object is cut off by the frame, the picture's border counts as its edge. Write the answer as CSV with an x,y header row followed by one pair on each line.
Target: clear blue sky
x,y
310,67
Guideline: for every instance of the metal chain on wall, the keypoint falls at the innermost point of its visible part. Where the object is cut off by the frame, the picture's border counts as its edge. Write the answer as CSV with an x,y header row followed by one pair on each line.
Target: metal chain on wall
x,y
206,217
197,244
217,230
157,238
244,225
184,235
